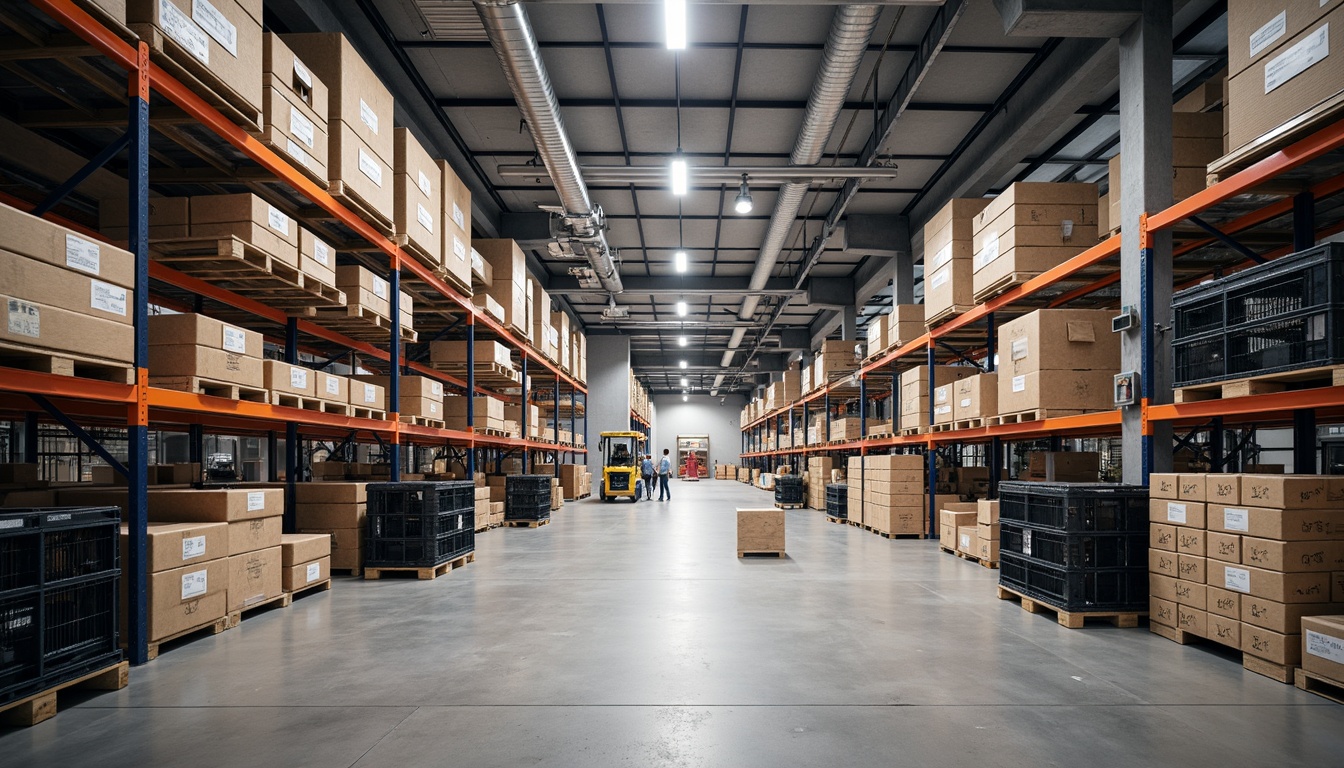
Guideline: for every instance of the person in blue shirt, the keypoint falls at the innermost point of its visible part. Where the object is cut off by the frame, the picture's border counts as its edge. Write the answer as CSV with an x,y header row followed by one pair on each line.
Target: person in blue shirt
x,y
646,469
664,473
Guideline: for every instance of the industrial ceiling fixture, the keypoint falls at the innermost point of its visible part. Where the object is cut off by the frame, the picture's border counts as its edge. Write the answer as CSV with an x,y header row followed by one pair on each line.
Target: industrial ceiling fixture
x,y
674,17
685,382
678,172
679,259
682,364
743,203
681,308
681,341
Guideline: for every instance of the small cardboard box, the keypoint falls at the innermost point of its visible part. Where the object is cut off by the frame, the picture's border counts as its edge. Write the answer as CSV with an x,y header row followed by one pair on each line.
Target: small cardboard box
x,y
1292,491
254,577
215,505
1183,513
967,538
184,598
1190,593
1162,536
330,387
1162,586
1191,620
1223,602
1163,486
1323,646
250,219
1191,488
1272,646
760,530
1223,546
1223,630
366,289
317,259
1162,611
1190,568
1190,541
254,534
1293,556
987,512
298,548
301,575
1223,489
1165,563
291,379
976,397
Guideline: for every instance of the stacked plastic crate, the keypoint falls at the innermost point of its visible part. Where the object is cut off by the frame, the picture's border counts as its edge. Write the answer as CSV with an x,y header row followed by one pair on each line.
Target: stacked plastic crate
x,y
527,497
837,501
789,490
419,524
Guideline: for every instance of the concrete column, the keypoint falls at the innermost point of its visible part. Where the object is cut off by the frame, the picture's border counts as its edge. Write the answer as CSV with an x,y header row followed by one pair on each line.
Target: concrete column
x,y
903,276
849,319
1145,184
608,392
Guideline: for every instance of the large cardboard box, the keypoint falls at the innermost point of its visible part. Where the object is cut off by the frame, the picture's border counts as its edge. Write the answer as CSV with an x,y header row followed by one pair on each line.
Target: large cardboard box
x,y
288,378
192,329
417,197
256,533
1270,585
317,258
30,280
948,258
358,99
218,42
1293,556
1323,646
175,545
366,394
223,505
456,230
217,365
760,530
1281,524
40,239
254,577
295,105
1293,491
1255,29
169,217
1056,390
250,219
365,288
1031,227
509,282
1058,339
302,575
299,548
976,397
185,598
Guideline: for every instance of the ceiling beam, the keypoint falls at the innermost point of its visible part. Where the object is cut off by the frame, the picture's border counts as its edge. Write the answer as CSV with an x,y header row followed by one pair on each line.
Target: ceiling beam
x,y
698,363
642,285
452,45
601,103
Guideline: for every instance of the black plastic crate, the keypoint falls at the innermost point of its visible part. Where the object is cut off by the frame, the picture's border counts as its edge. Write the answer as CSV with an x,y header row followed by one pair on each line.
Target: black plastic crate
x,y
1075,550
789,481
1284,344
79,622
420,498
788,494
418,526
20,642
837,500
1088,589
1075,506
392,553
528,483
528,498
1200,359
530,512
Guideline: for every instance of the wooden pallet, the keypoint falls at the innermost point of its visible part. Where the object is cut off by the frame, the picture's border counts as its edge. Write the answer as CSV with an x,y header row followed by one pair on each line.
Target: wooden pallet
x,y
413,249
28,358
973,558
489,374
760,553
886,535
248,611
367,413
911,431
969,424
948,427
373,574
1072,619
491,432
1002,284
210,627
779,505
317,586
348,571
526,523
196,75
1283,381
1289,132
421,421
352,200
245,269
947,314
1034,415
362,324
41,706
1283,673
290,400
1321,686
199,386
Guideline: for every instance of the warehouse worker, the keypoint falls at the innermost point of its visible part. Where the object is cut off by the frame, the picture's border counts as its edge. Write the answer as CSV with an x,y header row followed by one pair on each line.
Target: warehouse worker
x,y
646,469
664,471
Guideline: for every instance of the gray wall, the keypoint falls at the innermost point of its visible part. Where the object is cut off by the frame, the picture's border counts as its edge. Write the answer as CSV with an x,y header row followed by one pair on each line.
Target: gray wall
x,y
700,415
608,392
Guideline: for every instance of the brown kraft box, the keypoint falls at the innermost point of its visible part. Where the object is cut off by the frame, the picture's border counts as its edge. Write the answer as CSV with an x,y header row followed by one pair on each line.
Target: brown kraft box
x,y
254,577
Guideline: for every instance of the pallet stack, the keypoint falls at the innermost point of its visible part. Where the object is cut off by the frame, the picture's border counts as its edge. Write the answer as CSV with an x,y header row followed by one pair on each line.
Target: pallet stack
x,y
201,355
914,417
527,500
1028,229
833,361
818,474
949,257
987,533
508,282
425,528
957,527
306,560
1057,362
1241,559
338,510
294,105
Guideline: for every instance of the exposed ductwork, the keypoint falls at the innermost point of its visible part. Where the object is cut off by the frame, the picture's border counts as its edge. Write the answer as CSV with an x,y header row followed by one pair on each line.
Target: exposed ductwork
x,y
579,226
851,29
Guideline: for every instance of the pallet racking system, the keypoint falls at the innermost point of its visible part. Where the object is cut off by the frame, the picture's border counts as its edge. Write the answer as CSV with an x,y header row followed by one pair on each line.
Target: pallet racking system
x,y
234,157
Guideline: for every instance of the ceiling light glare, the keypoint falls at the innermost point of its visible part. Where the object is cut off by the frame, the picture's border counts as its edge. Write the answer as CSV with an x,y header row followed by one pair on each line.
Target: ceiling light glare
x,y
680,176
674,16
681,309
679,259
743,203
681,341
683,364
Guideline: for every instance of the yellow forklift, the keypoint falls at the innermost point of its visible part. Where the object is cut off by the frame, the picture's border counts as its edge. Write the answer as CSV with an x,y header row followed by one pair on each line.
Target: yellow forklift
x,y
621,455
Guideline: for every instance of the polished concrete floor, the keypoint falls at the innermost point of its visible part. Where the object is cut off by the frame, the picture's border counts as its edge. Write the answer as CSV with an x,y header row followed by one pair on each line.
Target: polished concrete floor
x,y
631,635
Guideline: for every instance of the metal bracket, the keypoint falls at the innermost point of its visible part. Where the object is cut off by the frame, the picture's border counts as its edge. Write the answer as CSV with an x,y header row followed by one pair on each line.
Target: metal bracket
x,y
98,161
1226,239
79,432
960,355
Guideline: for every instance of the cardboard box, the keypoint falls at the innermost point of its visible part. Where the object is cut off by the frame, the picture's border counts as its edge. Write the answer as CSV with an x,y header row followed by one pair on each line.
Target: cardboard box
x,y
1323,646
1190,568
976,397
1190,541
366,289
1223,602
1031,227
219,41
216,365
254,578
1063,466
509,283
1063,390
760,530
185,598
1191,620
455,244
948,257
1223,630
1059,339
365,394
1223,489
291,379
1163,486
1162,611
1293,491
1190,593
1190,488
1165,563
176,545
1283,617
326,515
1293,556
169,217
44,241
302,575
987,512
214,505
1270,585
252,535
417,196
1162,536
358,99
331,493
330,387
1183,513
192,329
1280,524
250,219
1256,29
484,353
347,546
420,395
31,280
1162,586
294,128
947,535
486,410
317,259
356,168
41,326
285,76
987,549
967,538
1225,547
300,548
1272,646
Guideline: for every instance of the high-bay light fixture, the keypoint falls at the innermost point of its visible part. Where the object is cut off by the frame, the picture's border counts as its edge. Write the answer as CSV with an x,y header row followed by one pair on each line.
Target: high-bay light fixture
x,y
685,382
681,341
679,174
681,308
674,16
683,364
679,259
743,203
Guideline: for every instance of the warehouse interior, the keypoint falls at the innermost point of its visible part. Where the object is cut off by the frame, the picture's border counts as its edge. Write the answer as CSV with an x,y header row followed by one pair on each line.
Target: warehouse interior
x,y
671,382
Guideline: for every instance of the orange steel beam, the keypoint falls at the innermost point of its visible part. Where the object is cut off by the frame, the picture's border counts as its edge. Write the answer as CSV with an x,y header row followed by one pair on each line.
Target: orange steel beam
x,y
16,380
1274,402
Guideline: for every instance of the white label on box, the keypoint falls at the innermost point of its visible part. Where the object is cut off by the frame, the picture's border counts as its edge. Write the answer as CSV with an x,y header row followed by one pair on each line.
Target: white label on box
x,y
1175,513
436,388
11,523
81,254
215,25
1019,383
301,127
322,252
942,409
194,584
1263,37
256,500
193,546
477,261
422,216
301,72
459,522
313,571
298,377
423,182
1026,542
1236,519
1018,349
965,403
940,395
107,297
460,250
368,116
1310,50
1236,579
990,252
965,541
24,319
939,278
458,217
369,393
379,287
181,28
277,220
370,167
296,152
1325,646
333,385
943,256
235,340
434,408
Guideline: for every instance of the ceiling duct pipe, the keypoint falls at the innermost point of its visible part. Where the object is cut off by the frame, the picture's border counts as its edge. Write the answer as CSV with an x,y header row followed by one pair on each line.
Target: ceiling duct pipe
x,y
580,226
851,28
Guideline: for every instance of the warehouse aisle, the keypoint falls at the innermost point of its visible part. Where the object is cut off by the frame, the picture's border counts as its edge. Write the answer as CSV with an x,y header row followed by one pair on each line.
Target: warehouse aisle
x,y
630,634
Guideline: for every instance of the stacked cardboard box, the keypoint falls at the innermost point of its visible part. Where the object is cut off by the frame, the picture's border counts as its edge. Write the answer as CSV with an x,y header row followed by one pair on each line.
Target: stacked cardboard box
x,y
331,388
338,510
364,290
1028,229
359,121
894,494
420,396
956,519
544,335
508,284
915,393
248,218
417,198
572,481
317,259
987,530
482,506
288,384
456,230
904,324
1197,141
537,420
818,472
949,260
488,412
1241,559
64,293
1058,361
306,560
368,399
783,392
834,360
975,398
294,105
184,348
188,567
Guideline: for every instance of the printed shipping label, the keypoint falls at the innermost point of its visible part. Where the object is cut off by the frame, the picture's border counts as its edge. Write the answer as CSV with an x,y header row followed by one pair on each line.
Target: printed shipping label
x,y
277,220
990,252
322,252
1026,542
333,385
181,28
12,523
194,584
1263,37
943,256
965,541
256,500
295,151
1237,579
215,25
1310,50
368,116
301,72
193,546
1236,519
1019,383
458,217
370,167
460,250
81,254
379,287
301,127
314,571
24,319
298,378
235,340
1325,646
939,278
423,182
436,388
422,216
1018,350
965,403
1175,513
369,393
107,297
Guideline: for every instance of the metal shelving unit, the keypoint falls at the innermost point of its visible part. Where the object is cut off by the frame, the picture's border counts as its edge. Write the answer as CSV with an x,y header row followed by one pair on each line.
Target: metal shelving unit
x,y
138,408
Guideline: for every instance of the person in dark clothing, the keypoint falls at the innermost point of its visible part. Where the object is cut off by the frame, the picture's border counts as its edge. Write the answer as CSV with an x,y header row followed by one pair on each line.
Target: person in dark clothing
x,y
664,473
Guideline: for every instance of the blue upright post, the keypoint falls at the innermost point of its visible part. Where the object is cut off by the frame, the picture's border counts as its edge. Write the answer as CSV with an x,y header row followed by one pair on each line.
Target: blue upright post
x,y
555,423
931,455
573,433
523,434
471,390
134,570
394,368
290,521
863,406
30,438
